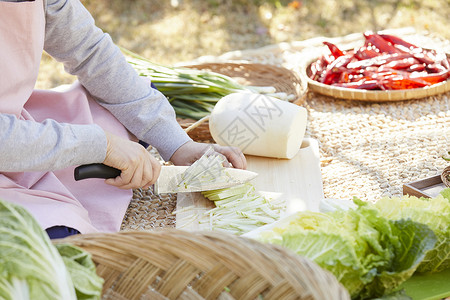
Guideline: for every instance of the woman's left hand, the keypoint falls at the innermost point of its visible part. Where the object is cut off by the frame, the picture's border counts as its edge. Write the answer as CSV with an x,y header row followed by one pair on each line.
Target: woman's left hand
x,y
191,151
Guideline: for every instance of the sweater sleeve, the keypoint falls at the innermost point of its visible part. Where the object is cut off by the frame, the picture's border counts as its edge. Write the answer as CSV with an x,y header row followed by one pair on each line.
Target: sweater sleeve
x,y
87,52
48,145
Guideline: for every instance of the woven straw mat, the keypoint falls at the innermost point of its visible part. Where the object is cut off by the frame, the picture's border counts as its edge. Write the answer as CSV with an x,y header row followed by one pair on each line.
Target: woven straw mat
x,y
368,150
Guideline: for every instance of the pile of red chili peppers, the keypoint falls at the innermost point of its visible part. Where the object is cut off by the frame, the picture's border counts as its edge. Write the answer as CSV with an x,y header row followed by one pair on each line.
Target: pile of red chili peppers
x,y
384,62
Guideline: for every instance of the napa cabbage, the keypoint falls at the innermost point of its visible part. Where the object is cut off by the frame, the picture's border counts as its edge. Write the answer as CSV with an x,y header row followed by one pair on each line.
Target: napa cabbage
x,y
32,267
368,253
88,285
435,213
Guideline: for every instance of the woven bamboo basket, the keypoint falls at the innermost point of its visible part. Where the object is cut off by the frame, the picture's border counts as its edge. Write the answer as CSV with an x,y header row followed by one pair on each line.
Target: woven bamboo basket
x,y
175,264
371,95
282,79
445,176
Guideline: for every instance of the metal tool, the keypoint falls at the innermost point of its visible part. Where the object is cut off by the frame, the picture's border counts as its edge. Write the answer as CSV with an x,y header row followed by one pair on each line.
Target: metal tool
x,y
170,178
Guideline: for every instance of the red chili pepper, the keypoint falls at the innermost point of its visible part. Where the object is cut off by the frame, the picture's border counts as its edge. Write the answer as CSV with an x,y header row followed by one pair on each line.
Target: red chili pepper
x,y
378,60
380,75
377,41
362,85
416,68
435,68
417,52
366,52
384,62
320,66
327,59
334,69
423,55
400,64
317,68
329,77
445,62
395,40
440,63
401,83
426,57
355,77
369,71
346,76
433,78
335,51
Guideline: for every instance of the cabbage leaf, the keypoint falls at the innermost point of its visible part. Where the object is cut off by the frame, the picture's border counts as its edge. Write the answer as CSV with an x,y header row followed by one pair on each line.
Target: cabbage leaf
x,y
435,213
30,266
446,193
368,253
88,285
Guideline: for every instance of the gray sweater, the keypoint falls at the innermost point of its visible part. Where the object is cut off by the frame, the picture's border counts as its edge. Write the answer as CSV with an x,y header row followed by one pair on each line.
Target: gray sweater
x,y
72,38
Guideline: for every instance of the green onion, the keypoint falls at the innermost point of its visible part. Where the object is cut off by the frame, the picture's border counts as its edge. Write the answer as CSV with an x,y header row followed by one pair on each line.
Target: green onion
x,y
207,170
241,209
193,93
238,209
447,156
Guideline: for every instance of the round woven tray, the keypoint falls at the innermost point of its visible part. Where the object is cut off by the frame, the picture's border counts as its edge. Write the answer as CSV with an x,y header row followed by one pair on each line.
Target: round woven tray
x,y
369,95
254,74
445,176
174,264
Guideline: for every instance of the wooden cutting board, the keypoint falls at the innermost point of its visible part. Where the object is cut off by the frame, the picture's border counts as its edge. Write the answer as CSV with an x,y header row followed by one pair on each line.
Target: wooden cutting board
x,y
298,180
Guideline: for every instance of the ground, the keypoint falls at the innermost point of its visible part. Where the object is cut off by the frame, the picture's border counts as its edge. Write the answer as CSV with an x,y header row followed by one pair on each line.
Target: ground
x,y
170,32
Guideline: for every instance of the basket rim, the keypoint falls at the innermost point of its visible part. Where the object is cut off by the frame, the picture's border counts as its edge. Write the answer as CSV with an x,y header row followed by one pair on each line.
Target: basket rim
x,y
445,176
370,95
300,88
208,262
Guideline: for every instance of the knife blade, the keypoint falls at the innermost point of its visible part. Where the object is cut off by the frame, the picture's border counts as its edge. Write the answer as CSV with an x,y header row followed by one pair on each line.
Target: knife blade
x,y
170,178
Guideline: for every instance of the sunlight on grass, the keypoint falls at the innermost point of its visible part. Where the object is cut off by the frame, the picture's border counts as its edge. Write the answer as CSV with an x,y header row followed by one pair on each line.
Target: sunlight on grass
x,y
169,35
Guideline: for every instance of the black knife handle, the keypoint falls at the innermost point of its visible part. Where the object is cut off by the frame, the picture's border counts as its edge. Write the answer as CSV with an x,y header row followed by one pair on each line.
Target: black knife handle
x,y
95,171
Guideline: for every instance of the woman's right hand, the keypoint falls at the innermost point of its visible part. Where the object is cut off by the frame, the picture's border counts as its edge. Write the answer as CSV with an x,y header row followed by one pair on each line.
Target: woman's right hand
x,y
139,168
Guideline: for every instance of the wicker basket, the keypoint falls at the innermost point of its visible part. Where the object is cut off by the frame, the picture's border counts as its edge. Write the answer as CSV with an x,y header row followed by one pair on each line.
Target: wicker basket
x,y
370,95
445,176
175,264
282,79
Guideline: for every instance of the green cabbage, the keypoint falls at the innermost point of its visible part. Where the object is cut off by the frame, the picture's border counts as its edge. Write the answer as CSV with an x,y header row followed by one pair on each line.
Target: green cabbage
x,y
88,285
433,212
31,267
368,253
446,193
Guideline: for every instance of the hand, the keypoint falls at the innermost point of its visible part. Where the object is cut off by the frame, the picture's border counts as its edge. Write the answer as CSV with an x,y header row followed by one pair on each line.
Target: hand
x,y
191,151
139,168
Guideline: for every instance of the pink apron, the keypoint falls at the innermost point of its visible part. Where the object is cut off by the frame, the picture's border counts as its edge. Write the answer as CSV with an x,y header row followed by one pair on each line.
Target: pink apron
x,y
53,198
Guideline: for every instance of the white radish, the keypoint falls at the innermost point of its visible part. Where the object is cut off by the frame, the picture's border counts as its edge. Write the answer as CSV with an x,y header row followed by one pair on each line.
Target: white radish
x,y
258,125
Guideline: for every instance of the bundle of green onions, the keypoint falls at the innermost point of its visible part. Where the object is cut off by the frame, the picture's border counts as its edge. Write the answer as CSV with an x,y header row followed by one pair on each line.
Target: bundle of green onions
x,y
193,93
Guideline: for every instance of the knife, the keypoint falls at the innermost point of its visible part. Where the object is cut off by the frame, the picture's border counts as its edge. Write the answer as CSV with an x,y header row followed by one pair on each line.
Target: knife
x,y
169,179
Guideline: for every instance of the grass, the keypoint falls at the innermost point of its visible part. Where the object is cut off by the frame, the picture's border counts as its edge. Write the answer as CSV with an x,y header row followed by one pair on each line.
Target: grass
x,y
170,35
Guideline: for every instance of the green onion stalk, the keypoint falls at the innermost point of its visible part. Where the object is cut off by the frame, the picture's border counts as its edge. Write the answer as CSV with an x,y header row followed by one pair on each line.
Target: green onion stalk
x,y
192,93
446,157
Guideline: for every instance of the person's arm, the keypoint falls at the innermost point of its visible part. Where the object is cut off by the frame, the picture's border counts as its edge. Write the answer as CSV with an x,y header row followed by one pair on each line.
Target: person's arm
x,y
89,53
32,146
